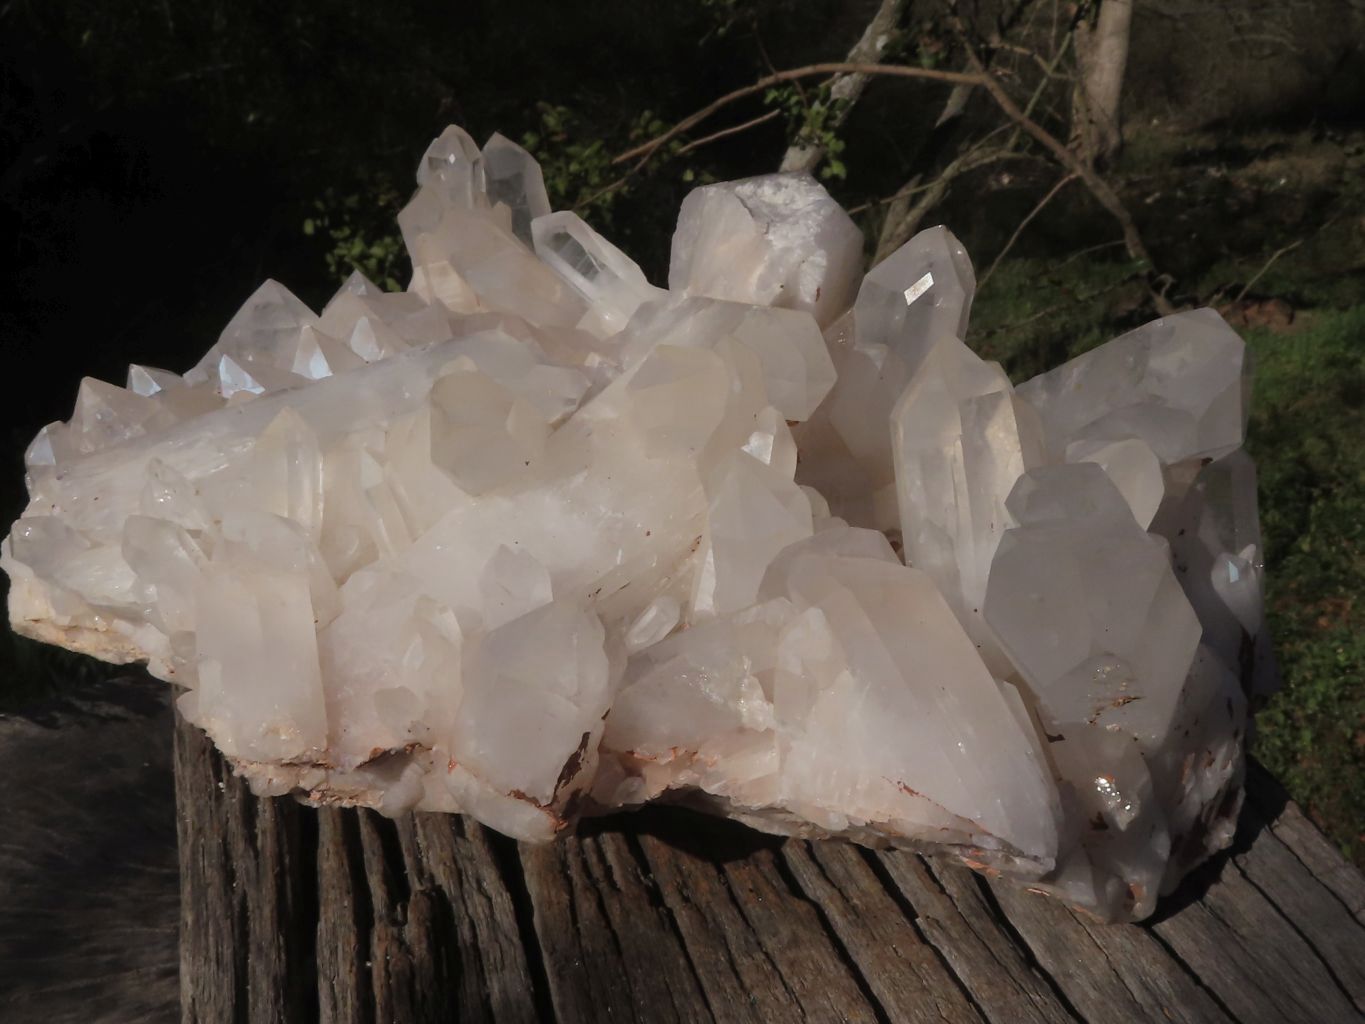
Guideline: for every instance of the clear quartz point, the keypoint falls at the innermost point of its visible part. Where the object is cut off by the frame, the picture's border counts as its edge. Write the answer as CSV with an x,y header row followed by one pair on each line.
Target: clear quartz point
x,y
1181,384
534,538
935,304
264,333
611,283
513,180
917,298
452,167
775,240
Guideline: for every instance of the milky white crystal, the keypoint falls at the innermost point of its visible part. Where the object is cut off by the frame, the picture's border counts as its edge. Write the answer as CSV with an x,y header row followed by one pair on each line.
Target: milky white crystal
x,y
538,538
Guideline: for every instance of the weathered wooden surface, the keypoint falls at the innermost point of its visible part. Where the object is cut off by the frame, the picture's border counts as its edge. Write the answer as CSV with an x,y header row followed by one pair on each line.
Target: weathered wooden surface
x,y
670,916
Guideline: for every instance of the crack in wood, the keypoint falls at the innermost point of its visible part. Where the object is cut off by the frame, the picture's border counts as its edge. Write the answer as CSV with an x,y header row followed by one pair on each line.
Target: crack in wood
x,y
1213,996
1011,933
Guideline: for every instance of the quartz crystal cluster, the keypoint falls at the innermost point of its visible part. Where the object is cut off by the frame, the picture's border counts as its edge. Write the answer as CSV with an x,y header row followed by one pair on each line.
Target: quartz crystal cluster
x,y
537,538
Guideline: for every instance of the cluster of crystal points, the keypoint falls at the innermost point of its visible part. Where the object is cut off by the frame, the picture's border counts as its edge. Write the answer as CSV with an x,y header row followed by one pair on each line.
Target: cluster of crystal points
x,y
536,538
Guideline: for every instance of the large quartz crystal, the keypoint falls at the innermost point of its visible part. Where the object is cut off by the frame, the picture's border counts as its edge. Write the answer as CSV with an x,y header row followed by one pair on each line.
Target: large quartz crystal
x,y
537,538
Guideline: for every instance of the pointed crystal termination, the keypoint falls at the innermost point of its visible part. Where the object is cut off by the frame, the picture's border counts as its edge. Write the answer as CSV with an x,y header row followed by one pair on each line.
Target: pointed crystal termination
x,y
609,281
1181,384
452,165
775,240
936,304
514,180
894,326
535,538
961,440
264,333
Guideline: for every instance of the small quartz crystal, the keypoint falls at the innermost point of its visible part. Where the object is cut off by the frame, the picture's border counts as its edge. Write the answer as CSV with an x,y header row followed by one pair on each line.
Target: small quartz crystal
x,y
537,538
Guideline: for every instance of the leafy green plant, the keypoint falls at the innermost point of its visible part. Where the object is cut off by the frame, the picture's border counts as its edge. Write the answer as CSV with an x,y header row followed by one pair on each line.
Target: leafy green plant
x,y
576,160
361,232
576,165
813,121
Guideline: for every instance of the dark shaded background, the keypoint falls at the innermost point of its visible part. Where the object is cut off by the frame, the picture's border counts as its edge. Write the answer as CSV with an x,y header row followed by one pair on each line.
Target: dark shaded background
x,y
160,158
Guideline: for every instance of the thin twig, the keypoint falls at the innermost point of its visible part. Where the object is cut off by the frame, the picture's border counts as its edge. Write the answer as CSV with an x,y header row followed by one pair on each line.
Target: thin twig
x,y
898,215
1087,251
1049,69
694,144
647,149
989,156
904,193
895,233
725,132
583,204
1071,303
1037,209
1268,264
1099,188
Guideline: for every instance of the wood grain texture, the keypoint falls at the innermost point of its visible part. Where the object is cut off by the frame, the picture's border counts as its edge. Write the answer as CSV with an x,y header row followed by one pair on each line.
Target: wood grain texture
x,y
667,915
292,914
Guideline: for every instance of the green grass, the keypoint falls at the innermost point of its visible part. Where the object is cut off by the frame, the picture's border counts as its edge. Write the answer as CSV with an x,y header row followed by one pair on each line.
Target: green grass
x,y
1308,437
1036,313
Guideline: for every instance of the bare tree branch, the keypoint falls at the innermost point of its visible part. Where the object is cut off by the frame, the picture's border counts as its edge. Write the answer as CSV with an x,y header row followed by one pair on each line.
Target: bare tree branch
x,y
1047,67
1268,264
914,187
903,220
846,88
734,129
1019,230
646,150
1088,250
1098,187
978,75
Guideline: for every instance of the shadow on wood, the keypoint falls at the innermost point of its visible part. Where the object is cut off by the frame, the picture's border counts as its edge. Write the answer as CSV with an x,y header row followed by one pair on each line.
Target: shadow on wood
x,y
667,915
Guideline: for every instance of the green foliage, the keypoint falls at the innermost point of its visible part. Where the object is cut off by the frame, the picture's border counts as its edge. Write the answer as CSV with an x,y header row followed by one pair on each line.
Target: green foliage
x,y
637,206
1317,274
361,232
576,163
813,121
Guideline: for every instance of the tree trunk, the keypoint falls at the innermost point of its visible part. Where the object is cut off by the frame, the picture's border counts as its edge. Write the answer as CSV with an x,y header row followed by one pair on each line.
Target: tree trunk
x,y
804,156
1101,57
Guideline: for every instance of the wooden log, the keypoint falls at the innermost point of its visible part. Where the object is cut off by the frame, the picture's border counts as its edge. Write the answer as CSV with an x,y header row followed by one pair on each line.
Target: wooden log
x,y
666,915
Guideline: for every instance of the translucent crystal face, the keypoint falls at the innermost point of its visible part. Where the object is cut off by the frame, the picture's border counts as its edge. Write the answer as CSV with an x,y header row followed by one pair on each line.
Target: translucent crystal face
x,y
775,240
537,538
